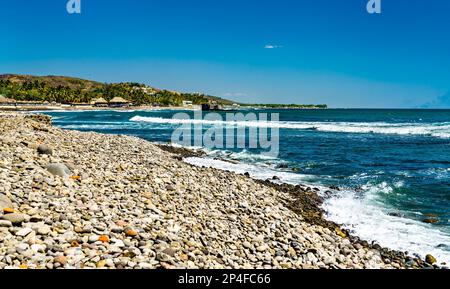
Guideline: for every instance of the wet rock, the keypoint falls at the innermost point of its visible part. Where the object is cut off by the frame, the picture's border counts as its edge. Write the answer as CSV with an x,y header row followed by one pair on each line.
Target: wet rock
x,y
430,221
430,259
395,214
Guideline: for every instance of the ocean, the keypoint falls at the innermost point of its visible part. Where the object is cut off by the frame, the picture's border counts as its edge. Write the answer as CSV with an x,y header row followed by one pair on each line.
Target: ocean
x,y
392,166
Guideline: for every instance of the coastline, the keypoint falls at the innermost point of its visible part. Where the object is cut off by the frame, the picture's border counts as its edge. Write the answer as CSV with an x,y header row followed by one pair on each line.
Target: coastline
x,y
142,207
89,108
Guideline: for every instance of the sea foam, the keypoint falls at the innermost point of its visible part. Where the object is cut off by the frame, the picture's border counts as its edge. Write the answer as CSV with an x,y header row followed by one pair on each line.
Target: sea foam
x,y
362,214
438,130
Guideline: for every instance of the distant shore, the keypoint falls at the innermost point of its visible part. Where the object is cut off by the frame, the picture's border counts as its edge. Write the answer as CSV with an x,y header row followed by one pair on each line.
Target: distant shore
x,y
89,108
144,107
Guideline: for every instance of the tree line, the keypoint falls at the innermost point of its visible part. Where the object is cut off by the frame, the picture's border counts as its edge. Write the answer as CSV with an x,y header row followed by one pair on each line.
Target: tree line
x,y
133,92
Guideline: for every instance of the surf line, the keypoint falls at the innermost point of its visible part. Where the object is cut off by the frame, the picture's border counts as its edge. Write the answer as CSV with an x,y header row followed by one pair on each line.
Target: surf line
x,y
236,131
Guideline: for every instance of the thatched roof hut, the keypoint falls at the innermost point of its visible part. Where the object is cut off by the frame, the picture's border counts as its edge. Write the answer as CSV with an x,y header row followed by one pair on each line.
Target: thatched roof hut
x,y
118,100
99,101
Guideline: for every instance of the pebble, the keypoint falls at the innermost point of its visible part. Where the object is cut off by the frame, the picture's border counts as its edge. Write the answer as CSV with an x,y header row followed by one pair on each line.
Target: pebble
x,y
61,260
5,202
44,150
262,248
44,230
22,247
60,170
247,245
430,259
16,218
38,248
131,233
23,232
5,224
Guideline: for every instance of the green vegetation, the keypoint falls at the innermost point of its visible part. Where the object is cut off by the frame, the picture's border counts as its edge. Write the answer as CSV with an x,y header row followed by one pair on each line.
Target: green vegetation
x,y
61,89
74,90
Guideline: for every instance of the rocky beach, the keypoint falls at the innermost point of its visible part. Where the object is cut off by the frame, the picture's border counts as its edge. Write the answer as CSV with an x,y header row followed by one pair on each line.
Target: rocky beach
x,y
73,199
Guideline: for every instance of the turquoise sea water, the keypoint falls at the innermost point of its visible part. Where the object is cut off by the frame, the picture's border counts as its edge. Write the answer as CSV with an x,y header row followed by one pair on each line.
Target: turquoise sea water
x,y
393,166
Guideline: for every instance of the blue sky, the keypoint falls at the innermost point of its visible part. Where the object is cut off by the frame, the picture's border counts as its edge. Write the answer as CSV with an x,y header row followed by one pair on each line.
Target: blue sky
x,y
286,51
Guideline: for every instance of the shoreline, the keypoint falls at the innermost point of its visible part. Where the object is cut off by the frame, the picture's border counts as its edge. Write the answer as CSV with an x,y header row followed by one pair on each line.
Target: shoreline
x,y
307,203
127,201
88,108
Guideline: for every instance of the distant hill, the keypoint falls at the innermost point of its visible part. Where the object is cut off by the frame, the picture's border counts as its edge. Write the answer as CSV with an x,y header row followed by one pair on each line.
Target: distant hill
x,y
65,89
53,81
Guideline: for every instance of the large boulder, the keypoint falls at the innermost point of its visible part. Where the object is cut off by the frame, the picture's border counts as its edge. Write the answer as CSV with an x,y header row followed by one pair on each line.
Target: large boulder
x,y
59,170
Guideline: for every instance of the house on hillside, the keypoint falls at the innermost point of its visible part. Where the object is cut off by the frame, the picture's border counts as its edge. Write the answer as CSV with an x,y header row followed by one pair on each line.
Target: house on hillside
x,y
187,103
119,102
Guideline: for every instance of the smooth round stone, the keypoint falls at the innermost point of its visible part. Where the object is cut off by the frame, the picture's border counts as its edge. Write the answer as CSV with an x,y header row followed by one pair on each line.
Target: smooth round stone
x,y
44,230
16,218
5,224
23,232
22,247
262,248
93,238
5,202
37,248
247,245
59,170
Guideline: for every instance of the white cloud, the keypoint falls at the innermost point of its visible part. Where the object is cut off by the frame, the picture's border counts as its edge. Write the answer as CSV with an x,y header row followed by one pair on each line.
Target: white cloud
x,y
271,46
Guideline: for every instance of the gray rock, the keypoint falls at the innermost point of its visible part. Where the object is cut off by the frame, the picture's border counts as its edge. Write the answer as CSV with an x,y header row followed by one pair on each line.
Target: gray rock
x,y
16,218
43,230
44,150
247,245
262,248
38,248
116,229
93,238
23,232
5,202
160,256
59,170
5,224
22,247
170,251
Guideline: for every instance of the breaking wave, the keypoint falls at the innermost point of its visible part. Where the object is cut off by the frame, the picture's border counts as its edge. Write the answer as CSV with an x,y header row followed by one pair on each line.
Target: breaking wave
x,y
438,130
